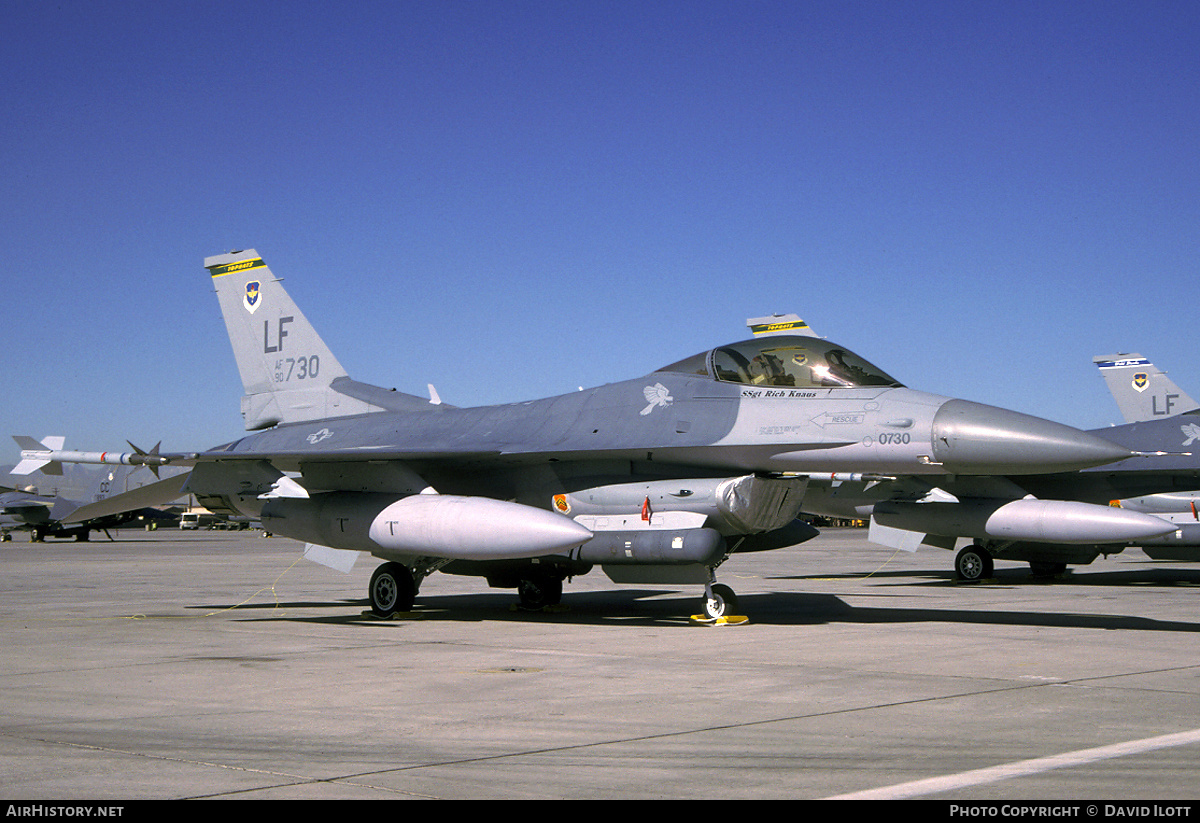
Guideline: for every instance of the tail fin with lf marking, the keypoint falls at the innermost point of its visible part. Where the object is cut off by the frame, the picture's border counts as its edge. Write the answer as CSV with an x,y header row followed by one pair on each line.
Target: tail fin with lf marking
x,y
1140,389
288,373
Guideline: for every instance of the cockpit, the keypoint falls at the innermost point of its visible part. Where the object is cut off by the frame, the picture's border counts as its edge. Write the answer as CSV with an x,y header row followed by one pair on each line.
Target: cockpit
x,y
786,361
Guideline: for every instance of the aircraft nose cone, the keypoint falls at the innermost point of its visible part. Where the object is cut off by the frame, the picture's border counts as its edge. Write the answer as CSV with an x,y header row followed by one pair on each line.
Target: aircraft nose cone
x,y
971,438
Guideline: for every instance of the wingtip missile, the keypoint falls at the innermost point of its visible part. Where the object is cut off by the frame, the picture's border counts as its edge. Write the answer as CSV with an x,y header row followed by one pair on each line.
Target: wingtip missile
x,y
48,456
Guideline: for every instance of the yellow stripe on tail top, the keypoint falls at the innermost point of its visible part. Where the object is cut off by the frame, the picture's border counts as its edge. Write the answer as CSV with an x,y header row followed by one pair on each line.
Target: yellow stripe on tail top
x,y
241,265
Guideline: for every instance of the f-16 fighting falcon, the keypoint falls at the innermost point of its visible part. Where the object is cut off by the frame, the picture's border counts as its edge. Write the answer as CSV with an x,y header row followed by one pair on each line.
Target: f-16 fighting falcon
x,y
1162,429
1144,394
657,479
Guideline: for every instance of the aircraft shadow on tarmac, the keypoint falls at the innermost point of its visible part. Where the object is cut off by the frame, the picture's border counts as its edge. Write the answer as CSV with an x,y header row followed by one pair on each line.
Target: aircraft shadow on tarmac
x,y
649,607
1018,575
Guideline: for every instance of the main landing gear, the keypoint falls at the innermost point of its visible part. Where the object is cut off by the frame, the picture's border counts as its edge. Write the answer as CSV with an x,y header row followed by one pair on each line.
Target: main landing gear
x,y
1046,569
393,589
539,587
973,563
38,534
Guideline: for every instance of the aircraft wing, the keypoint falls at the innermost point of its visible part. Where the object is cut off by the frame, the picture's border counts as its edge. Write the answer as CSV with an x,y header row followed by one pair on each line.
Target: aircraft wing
x,y
154,494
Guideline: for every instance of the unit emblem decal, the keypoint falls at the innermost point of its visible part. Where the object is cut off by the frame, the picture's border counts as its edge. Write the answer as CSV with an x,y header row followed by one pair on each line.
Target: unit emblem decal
x,y
251,298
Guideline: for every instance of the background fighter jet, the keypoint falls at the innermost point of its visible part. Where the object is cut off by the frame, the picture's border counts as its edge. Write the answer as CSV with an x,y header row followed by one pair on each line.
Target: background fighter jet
x,y
1144,393
1160,483
56,515
656,479
21,509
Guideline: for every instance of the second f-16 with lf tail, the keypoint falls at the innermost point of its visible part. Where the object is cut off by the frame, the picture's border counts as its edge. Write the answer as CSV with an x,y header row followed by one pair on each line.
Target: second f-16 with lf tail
x,y
656,479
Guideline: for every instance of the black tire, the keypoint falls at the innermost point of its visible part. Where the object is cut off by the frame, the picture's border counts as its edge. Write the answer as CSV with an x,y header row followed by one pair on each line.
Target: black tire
x,y
723,601
973,563
392,590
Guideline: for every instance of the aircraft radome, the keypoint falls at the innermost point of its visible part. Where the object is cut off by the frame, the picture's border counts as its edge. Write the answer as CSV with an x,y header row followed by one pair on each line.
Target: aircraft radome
x,y
658,479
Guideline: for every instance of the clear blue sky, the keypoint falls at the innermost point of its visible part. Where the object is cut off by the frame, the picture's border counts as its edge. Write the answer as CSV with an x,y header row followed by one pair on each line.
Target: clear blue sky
x,y
977,196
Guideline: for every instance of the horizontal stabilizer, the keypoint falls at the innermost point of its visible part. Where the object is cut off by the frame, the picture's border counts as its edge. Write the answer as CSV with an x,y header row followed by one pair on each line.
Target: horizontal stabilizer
x,y
27,504
377,396
153,494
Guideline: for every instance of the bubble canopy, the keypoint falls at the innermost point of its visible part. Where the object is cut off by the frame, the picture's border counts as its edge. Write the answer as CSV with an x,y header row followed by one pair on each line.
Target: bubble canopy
x,y
785,360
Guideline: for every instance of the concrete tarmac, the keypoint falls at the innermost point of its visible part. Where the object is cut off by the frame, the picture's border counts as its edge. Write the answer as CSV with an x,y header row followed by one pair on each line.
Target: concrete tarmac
x,y
221,665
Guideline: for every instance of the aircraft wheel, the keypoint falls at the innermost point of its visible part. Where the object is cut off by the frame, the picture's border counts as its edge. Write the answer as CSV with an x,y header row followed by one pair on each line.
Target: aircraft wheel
x,y
542,588
392,589
973,563
721,602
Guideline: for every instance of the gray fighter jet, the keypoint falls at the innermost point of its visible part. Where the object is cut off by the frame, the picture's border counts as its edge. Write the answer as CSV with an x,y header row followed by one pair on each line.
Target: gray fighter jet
x,y
1145,393
1164,429
656,479
23,509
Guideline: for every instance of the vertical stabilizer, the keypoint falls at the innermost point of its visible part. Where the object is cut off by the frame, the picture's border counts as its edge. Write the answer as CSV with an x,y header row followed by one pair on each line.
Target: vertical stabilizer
x,y
1142,391
287,370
